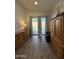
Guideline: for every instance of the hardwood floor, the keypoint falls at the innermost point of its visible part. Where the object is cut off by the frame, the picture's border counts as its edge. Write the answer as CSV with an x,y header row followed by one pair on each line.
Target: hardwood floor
x,y
35,48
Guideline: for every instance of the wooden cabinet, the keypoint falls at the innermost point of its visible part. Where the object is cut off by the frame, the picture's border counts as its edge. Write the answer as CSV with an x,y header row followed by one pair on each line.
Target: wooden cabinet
x,y
20,38
57,35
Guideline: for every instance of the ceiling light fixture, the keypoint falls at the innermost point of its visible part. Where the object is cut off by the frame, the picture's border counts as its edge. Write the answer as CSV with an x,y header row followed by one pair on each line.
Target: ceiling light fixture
x,y
36,3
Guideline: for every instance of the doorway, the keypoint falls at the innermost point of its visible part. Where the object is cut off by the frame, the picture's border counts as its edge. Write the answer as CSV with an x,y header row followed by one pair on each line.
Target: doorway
x,y
38,26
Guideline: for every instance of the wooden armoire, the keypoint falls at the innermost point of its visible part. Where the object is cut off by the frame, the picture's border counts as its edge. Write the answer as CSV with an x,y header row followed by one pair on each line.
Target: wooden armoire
x,y
57,35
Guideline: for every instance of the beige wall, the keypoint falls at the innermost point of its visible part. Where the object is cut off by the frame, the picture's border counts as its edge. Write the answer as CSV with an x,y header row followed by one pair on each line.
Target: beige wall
x,y
59,6
20,17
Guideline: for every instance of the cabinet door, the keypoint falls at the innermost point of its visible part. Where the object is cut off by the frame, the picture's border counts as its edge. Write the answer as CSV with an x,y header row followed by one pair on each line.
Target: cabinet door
x,y
59,29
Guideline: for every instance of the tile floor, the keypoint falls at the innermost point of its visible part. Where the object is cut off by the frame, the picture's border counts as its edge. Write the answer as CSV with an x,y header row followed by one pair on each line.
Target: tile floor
x,y
35,48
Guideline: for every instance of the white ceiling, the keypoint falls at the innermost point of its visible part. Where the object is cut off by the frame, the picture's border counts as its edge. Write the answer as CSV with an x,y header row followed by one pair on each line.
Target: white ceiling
x,y
43,5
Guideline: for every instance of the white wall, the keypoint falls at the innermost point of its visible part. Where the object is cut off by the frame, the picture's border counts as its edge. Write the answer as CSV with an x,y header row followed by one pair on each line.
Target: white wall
x,y
20,17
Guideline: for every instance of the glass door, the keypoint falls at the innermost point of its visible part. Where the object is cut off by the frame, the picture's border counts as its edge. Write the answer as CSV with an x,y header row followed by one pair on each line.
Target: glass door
x,y
43,25
34,25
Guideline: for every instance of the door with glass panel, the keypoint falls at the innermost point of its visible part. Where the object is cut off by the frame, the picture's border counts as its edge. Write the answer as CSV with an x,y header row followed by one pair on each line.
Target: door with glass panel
x,y
43,25
34,25
38,27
